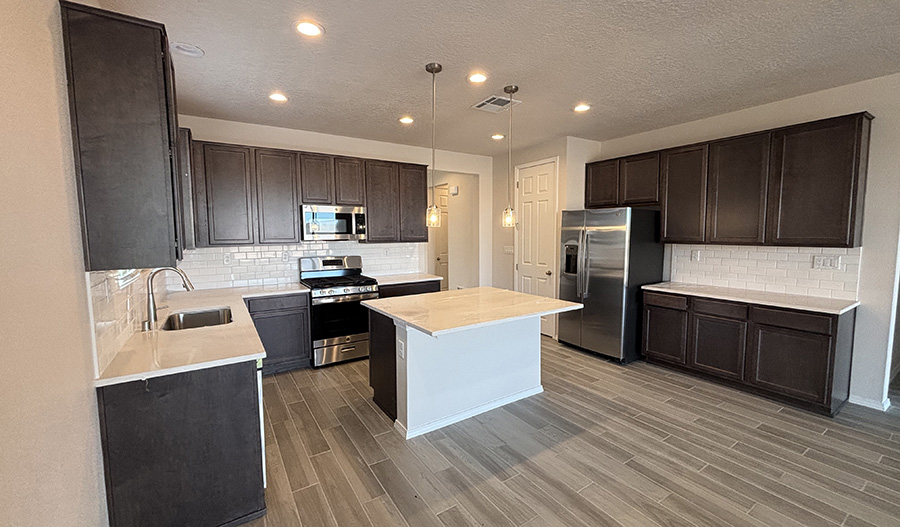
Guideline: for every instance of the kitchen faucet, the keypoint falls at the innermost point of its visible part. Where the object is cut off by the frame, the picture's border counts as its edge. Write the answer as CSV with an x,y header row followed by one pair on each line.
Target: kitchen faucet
x,y
150,323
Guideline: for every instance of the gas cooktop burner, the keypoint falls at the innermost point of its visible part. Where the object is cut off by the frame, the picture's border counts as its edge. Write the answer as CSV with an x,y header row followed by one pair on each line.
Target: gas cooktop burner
x,y
333,276
340,285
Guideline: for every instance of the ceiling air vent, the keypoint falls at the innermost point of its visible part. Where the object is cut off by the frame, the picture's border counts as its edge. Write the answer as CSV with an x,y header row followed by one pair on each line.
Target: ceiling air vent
x,y
495,104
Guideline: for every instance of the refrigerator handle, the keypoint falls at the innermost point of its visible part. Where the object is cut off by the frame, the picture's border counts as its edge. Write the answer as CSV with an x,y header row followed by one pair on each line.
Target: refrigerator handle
x,y
579,270
585,261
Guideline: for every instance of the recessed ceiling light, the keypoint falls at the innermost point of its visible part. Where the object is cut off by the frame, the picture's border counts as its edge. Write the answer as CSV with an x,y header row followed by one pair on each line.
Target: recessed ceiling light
x,y
188,50
406,119
310,28
477,78
497,137
278,97
582,107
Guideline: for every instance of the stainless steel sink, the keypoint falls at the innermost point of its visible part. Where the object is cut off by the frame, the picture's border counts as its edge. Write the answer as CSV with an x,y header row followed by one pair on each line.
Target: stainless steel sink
x,y
198,319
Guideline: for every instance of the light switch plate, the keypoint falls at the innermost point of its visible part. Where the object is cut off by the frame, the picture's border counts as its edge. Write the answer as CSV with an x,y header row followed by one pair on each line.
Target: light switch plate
x,y
227,258
401,349
695,256
286,256
831,262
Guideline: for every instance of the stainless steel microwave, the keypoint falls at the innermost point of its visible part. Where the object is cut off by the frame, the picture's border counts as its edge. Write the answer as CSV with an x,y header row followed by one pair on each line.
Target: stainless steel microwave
x,y
324,222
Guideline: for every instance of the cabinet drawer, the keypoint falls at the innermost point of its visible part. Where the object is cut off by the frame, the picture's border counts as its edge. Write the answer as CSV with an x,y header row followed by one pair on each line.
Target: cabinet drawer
x,y
722,309
661,300
793,320
272,303
414,288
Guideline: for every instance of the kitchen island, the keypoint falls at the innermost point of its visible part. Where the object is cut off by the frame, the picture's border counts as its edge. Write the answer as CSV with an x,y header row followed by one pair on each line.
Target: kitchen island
x,y
460,353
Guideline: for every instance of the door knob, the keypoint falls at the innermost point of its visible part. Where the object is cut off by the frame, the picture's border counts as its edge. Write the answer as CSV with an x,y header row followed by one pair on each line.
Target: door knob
x,y
548,272
439,258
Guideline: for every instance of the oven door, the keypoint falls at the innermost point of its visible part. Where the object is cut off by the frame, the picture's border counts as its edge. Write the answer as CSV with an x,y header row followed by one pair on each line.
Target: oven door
x,y
337,320
333,223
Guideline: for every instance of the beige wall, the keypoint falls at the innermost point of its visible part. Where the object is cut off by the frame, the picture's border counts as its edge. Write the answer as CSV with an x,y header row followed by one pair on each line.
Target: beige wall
x,y
50,463
463,230
881,225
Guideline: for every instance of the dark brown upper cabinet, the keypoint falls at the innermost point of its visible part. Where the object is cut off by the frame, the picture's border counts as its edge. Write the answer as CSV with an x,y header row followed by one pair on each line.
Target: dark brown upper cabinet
x,y
817,182
382,202
738,182
317,179
224,194
276,196
183,188
121,99
413,203
601,184
639,180
684,173
349,183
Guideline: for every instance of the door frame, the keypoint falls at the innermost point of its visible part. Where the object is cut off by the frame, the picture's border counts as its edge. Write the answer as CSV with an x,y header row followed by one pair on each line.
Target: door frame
x,y
556,220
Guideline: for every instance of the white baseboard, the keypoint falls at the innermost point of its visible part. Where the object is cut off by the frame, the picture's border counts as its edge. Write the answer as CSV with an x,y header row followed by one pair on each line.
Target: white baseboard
x,y
881,406
465,414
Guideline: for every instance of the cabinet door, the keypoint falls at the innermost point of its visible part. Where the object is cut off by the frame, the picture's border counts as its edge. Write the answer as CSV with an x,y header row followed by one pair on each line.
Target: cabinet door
x,y
226,194
183,157
791,362
817,182
684,194
718,345
601,184
286,339
382,210
349,185
413,202
317,179
276,196
416,288
738,181
665,334
639,180
122,138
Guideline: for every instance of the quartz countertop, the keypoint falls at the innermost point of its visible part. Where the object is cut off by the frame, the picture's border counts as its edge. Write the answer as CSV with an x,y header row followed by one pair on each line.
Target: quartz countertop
x,y
156,353
408,278
448,311
817,304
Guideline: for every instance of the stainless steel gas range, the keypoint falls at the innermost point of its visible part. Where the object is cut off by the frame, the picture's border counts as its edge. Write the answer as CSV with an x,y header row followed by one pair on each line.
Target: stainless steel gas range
x,y
339,323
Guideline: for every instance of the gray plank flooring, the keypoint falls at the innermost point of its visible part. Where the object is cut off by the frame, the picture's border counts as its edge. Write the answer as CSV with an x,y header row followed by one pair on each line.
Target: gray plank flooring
x,y
604,445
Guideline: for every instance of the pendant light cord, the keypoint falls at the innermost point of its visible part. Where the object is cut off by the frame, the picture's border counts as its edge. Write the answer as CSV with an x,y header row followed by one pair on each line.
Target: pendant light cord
x,y
433,126
509,160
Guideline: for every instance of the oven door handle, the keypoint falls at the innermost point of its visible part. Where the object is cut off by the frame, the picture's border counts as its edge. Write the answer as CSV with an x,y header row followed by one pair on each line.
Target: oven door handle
x,y
343,298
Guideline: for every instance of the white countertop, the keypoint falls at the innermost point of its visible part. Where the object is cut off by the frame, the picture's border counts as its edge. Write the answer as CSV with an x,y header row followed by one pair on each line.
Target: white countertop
x,y
449,311
817,304
408,278
156,353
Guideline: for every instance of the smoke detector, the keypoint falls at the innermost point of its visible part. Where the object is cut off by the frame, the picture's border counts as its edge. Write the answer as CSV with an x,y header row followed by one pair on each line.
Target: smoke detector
x,y
495,104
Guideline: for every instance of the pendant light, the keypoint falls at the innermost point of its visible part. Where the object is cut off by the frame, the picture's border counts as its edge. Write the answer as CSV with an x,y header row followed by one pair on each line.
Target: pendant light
x,y
433,214
509,215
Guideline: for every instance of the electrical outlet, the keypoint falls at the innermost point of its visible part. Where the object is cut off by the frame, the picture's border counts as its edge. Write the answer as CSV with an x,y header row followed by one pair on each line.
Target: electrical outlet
x,y
401,349
227,258
387,252
831,262
286,256
695,256
509,249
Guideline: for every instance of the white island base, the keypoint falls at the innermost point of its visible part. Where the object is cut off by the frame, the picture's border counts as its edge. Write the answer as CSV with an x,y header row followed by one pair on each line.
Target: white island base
x,y
445,379
461,353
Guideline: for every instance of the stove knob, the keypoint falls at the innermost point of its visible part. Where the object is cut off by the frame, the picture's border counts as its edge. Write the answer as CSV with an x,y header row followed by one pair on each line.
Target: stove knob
x,y
329,292
346,290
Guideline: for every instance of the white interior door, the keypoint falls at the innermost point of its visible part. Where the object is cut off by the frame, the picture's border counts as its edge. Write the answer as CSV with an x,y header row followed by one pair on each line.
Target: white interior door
x,y
536,234
442,236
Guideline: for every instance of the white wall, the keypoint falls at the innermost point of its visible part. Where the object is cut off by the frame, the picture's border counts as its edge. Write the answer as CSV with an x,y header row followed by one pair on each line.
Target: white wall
x,y
205,129
462,230
881,225
51,470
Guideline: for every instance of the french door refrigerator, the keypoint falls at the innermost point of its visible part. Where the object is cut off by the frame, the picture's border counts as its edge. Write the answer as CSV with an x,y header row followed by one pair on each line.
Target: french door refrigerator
x,y
606,256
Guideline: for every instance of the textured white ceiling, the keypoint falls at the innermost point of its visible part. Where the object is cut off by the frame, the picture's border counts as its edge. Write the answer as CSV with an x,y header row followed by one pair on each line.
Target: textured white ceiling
x,y
641,64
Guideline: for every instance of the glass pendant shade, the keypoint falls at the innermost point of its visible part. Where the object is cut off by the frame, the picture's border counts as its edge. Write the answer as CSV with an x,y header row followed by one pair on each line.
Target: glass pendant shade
x,y
433,217
509,217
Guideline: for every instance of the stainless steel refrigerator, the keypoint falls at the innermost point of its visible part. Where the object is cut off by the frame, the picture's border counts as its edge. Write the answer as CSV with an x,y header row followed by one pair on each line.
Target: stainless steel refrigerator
x,y
606,256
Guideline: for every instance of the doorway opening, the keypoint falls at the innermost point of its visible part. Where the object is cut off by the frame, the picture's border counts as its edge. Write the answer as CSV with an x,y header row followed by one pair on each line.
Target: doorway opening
x,y
453,247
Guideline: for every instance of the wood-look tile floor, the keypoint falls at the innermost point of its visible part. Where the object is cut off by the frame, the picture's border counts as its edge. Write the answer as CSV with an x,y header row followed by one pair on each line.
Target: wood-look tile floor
x,y
603,445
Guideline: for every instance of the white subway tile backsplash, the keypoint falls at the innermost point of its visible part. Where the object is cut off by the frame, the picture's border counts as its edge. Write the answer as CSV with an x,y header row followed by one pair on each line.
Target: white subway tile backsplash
x,y
779,269
257,265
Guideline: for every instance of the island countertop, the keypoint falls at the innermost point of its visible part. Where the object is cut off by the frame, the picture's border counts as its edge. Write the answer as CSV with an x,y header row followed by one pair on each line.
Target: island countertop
x,y
158,352
448,311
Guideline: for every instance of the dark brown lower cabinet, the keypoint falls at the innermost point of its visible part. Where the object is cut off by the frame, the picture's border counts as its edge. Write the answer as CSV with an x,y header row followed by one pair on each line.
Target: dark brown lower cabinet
x,y
282,323
184,449
799,357
383,346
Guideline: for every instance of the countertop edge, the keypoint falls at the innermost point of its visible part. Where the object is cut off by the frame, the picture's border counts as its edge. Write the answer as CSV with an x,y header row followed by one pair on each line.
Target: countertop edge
x,y
440,332
663,288
413,278
99,383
